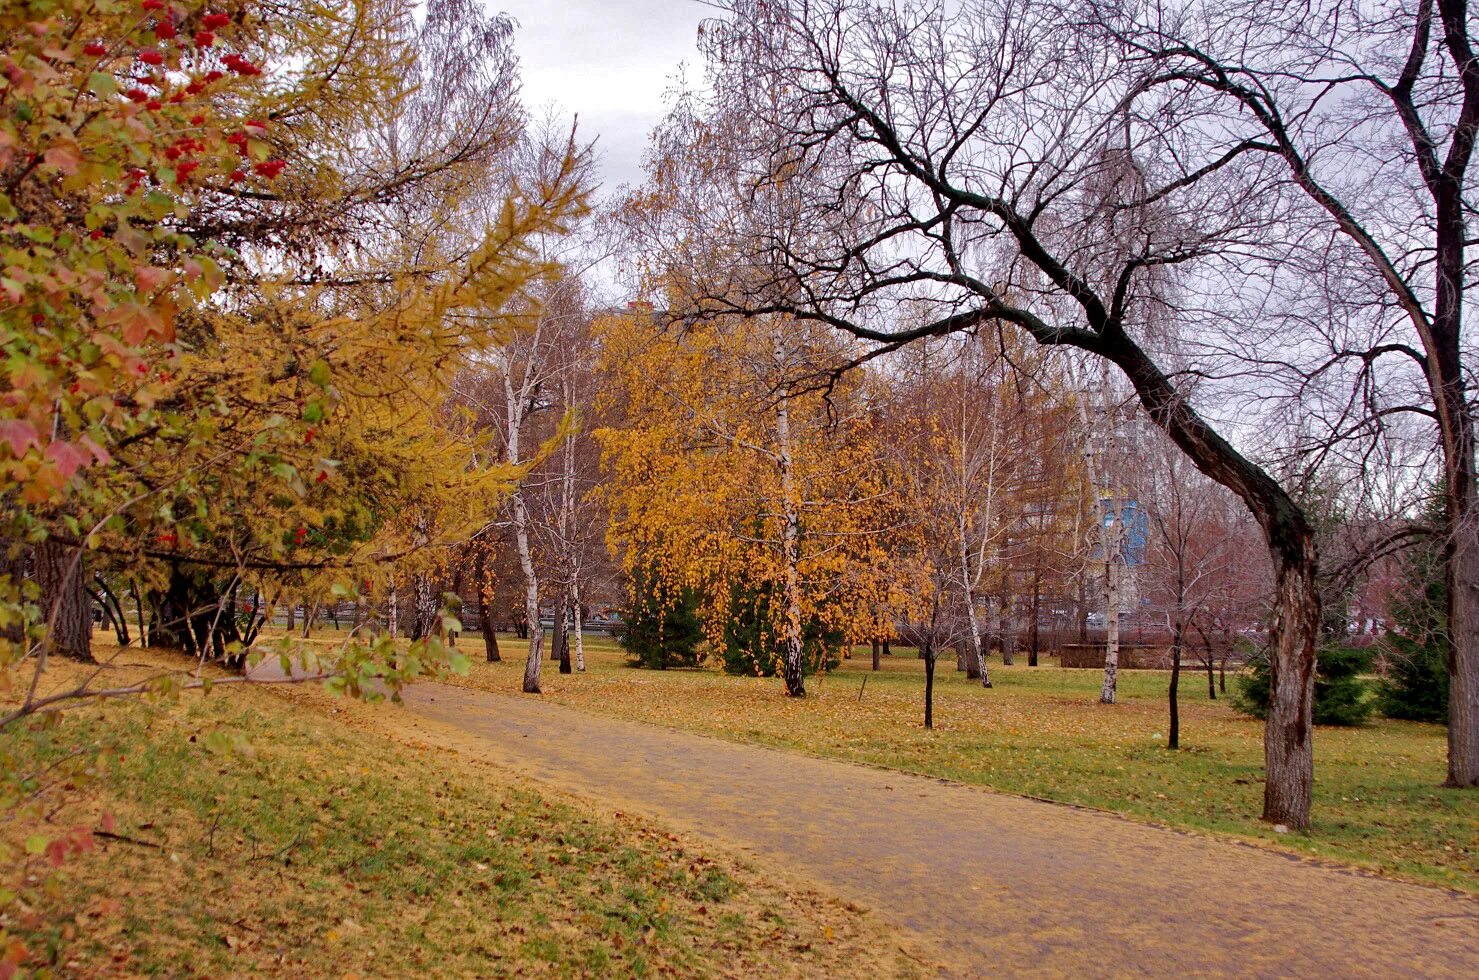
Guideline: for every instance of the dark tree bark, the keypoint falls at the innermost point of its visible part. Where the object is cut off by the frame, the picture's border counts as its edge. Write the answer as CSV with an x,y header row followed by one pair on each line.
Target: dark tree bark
x,y
65,602
485,622
929,685
1173,737
112,609
562,632
1032,630
877,651
133,587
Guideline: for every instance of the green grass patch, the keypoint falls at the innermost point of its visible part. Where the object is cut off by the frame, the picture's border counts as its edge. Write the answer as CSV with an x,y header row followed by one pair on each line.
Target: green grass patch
x,y
329,849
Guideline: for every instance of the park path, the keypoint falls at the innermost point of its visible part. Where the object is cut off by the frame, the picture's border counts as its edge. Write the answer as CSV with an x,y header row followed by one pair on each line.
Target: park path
x,y
998,885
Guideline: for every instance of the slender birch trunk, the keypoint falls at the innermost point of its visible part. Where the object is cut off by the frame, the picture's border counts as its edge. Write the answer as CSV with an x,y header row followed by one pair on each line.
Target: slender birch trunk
x,y
1109,688
393,613
794,668
579,629
514,402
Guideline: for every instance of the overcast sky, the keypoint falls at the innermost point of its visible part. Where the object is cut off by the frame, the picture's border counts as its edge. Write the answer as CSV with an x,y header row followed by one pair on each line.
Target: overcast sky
x,y
610,61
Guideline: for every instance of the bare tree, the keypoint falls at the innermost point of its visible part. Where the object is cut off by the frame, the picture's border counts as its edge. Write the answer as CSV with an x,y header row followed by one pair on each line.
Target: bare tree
x,y
945,159
1372,111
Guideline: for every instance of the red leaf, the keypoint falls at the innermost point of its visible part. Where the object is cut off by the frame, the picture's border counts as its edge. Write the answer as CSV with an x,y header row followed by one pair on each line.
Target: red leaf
x,y
67,458
150,277
65,157
20,434
98,452
56,852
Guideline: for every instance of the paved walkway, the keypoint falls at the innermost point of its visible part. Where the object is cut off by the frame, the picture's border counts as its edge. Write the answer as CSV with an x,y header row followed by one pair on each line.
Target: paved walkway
x,y
999,885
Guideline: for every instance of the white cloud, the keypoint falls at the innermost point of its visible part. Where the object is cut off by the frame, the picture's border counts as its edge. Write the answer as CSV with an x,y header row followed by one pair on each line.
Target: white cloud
x,y
608,61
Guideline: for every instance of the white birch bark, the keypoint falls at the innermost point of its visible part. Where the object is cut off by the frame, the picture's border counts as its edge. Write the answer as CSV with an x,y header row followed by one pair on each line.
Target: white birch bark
x,y
514,401
790,555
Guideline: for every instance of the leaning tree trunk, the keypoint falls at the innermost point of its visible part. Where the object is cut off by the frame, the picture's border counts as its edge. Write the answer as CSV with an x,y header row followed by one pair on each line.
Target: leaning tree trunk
x,y
65,603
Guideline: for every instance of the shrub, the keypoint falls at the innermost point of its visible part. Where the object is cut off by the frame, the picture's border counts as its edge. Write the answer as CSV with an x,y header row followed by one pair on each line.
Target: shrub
x,y
752,642
1416,685
660,631
1340,693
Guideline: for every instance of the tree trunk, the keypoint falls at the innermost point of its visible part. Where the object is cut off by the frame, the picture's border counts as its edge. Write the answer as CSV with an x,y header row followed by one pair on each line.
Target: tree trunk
x,y
1288,730
1033,631
562,632
113,609
485,611
1081,611
886,651
65,604
1463,638
310,616
393,611
877,652
1109,688
139,612
1173,739
1009,634
576,611
795,668
490,637
531,596
929,686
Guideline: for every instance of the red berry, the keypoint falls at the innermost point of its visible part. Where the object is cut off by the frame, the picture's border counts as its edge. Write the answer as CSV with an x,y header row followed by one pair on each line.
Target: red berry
x,y
137,95
152,4
204,39
153,105
151,57
237,175
95,234
95,50
214,76
323,475
164,30
195,88
38,318
198,119
214,21
270,168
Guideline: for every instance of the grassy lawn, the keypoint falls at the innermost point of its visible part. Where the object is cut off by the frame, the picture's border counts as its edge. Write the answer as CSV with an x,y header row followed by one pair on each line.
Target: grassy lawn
x,y
1041,732
326,848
